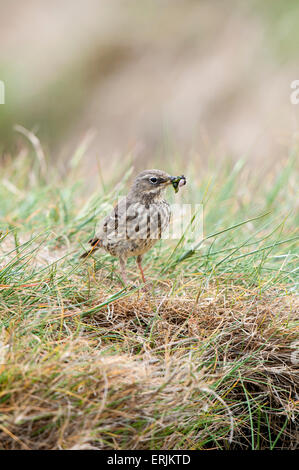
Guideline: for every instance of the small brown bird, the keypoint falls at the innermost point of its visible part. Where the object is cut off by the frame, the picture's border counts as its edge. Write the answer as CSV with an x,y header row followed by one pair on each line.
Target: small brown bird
x,y
138,220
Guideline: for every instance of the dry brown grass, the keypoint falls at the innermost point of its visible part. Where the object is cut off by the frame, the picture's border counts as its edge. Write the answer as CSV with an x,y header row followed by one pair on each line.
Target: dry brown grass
x,y
154,372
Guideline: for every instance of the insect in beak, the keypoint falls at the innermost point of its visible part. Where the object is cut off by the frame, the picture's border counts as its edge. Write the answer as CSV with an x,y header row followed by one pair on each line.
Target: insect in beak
x,y
177,182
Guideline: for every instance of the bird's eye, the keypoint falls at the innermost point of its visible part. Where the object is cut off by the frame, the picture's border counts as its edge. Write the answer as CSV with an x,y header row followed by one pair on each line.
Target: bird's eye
x,y
153,180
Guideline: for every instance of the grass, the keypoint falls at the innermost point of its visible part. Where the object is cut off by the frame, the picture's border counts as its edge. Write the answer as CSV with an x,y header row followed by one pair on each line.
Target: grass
x,y
206,360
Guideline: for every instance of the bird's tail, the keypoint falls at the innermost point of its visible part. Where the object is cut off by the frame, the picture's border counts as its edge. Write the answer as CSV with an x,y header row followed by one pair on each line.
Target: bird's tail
x,y
95,245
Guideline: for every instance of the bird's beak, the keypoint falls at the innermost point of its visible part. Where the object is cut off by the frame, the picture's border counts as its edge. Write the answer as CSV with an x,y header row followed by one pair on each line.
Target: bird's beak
x,y
169,180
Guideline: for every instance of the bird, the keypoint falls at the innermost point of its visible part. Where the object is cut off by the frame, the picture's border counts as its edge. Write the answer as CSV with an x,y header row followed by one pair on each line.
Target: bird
x,y
137,222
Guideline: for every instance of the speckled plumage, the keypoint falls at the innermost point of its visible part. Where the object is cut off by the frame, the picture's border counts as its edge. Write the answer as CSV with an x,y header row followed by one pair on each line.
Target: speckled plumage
x,y
137,221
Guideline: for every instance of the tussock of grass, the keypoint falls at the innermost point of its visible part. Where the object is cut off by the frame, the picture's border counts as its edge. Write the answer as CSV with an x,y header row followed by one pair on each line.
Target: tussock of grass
x,y
206,359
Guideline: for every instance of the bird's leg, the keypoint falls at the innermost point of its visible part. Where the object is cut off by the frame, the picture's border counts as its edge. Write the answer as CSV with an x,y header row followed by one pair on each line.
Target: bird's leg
x,y
139,259
123,270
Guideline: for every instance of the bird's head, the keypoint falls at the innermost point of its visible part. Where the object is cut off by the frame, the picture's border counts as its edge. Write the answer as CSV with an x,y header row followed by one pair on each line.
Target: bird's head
x,y
150,183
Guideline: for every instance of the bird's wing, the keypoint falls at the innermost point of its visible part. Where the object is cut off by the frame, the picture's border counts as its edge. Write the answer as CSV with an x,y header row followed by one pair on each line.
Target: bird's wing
x,y
114,224
132,220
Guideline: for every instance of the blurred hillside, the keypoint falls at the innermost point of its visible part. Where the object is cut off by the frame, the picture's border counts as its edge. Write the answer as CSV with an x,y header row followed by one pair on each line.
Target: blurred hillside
x,y
201,78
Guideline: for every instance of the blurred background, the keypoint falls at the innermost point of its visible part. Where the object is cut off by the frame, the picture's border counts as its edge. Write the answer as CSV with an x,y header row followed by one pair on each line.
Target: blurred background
x,y
152,79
